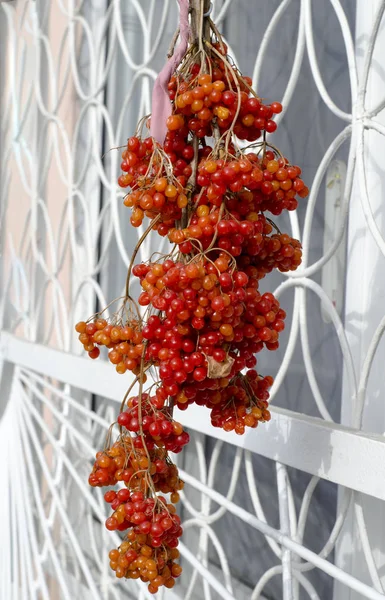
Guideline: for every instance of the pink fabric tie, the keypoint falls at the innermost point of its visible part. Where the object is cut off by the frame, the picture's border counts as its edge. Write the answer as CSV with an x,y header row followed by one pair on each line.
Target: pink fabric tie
x,y
161,104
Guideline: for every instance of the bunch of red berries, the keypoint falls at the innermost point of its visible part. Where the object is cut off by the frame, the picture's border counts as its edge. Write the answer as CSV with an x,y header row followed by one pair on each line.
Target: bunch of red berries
x,y
124,342
222,97
150,550
156,427
205,315
128,461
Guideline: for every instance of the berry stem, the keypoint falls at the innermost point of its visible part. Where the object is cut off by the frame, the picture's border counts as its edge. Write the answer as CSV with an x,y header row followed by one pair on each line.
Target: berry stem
x,y
200,25
136,250
277,229
173,43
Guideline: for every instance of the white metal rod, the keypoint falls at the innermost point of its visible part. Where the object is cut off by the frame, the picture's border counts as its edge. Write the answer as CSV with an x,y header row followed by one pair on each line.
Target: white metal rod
x,y
284,540
213,581
295,435
40,510
61,509
26,530
283,505
202,570
6,579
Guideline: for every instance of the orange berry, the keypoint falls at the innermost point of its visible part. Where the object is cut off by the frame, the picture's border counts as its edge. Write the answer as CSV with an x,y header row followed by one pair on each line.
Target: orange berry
x,y
198,94
169,583
187,98
248,120
174,497
175,122
202,79
177,427
160,184
226,330
182,201
151,565
222,112
81,327
219,86
176,570
146,551
179,102
272,166
115,334
114,555
203,210
115,357
205,114
250,421
256,412
197,105
153,589
171,191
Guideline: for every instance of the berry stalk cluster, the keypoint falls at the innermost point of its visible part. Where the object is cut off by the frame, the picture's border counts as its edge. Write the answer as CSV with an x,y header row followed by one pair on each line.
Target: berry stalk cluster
x,y
203,317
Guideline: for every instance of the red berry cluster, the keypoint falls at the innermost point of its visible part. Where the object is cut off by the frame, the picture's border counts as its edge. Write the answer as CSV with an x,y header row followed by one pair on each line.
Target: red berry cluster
x,y
203,102
123,341
135,559
265,184
278,251
261,184
150,549
220,96
157,427
205,314
215,320
128,461
234,410
145,515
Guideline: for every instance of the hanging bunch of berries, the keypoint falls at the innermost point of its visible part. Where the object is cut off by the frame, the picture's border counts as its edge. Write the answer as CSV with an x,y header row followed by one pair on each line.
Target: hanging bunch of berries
x,y
205,317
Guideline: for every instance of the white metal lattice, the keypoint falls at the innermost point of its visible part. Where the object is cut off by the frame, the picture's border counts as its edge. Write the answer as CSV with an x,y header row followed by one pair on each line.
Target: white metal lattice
x,y
75,77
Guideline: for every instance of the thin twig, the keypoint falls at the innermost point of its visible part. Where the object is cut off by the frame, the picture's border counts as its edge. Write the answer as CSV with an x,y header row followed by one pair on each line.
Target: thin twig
x,y
136,250
173,44
221,210
274,225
